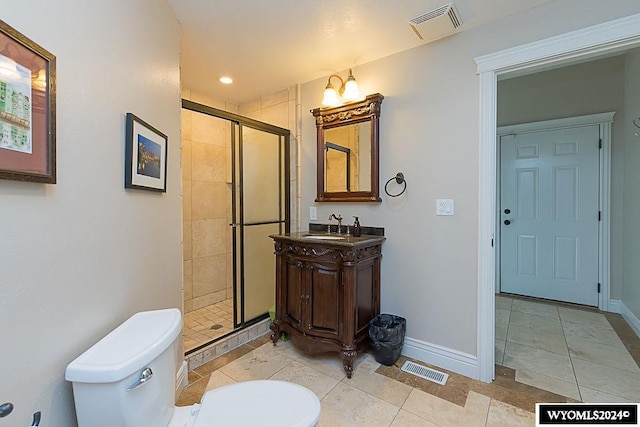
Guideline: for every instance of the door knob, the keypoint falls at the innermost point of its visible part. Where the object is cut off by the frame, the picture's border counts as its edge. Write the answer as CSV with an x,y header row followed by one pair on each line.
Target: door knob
x,y
6,409
507,222
507,211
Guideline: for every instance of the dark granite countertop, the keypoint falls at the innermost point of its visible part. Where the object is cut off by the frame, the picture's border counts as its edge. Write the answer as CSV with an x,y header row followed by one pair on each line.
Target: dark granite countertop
x,y
324,238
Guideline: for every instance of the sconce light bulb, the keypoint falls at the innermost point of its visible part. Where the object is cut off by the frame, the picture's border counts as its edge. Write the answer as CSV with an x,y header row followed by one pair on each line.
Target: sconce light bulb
x,y
330,98
351,90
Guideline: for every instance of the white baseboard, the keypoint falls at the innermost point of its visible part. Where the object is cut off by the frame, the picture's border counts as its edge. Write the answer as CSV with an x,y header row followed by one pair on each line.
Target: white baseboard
x,y
614,306
446,358
631,318
182,378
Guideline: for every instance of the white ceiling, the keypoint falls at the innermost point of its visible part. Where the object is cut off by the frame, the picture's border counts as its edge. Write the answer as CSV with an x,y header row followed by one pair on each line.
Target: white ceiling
x,y
268,45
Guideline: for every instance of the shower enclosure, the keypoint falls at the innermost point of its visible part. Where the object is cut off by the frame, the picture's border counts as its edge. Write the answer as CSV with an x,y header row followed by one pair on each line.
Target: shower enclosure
x,y
236,193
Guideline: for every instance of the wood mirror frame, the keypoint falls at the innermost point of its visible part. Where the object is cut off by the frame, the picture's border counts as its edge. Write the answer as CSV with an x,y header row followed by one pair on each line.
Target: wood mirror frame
x,y
353,113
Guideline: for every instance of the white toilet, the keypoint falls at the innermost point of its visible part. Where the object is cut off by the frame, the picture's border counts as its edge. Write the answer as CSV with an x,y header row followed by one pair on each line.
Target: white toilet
x,y
127,379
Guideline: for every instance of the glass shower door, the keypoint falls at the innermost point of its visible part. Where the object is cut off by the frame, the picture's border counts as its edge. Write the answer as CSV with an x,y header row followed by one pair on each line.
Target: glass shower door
x,y
260,208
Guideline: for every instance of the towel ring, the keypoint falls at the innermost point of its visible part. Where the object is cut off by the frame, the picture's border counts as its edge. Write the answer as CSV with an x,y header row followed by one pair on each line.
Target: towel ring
x,y
400,180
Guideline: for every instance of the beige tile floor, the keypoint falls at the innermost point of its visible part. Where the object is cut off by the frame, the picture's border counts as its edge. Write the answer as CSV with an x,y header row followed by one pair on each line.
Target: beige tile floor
x,y
575,354
567,350
198,324
367,399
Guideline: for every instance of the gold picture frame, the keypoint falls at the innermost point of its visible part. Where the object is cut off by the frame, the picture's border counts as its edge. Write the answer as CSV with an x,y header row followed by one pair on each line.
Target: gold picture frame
x,y
27,109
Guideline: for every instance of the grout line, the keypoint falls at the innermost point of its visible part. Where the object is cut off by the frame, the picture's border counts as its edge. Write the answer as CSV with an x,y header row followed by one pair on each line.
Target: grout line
x,y
486,418
573,368
506,335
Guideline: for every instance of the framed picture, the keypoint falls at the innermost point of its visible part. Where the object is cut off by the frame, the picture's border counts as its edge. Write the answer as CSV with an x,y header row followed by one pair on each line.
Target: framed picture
x,y
27,109
145,156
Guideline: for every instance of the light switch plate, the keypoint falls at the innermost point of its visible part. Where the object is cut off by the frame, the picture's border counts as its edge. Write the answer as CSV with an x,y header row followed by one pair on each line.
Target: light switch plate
x,y
313,213
444,207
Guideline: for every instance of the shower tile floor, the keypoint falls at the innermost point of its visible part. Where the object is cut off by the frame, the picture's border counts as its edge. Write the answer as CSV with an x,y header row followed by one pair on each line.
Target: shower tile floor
x,y
207,323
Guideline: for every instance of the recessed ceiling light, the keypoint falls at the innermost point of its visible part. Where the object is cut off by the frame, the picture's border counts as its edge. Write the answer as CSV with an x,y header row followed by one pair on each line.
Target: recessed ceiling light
x,y
226,80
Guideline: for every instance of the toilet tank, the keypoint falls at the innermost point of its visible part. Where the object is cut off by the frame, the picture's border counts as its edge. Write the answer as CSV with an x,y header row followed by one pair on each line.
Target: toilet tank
x,y
142,351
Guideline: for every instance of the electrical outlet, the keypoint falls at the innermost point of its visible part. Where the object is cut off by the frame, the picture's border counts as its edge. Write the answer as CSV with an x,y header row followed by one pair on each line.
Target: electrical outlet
x,y
313,213
444,207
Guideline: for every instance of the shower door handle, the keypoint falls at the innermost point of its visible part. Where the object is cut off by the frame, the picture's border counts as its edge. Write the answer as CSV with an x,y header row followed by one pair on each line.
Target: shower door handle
x,y
145,376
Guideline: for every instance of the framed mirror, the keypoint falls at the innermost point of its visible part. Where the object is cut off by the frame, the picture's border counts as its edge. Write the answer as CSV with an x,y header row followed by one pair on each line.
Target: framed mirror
x,y
348,151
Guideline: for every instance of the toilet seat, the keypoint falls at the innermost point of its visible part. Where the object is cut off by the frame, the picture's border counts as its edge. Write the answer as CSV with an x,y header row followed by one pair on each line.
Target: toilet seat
x,y
184,416
256,403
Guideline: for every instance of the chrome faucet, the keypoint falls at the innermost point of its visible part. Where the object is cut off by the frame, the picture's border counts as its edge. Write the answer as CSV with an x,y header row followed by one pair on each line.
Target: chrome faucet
x,y
337,218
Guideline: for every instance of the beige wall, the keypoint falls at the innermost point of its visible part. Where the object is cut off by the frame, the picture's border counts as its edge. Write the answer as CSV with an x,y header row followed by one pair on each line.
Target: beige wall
x,y
429,131
588,88
79,257
631,267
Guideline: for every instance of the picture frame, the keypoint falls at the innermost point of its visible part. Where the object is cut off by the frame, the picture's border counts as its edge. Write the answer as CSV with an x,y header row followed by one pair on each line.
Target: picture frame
x,y
145,156
27,109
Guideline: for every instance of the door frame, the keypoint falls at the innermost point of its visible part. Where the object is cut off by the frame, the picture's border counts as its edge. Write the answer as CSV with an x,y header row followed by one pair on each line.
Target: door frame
x,y
603,121
588,43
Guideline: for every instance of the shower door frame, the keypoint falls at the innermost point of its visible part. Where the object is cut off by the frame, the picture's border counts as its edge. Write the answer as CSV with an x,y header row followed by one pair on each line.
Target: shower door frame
x,y
238,122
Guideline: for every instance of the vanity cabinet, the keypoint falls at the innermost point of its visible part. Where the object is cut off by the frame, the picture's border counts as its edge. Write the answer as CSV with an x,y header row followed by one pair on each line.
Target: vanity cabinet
x,y
326,293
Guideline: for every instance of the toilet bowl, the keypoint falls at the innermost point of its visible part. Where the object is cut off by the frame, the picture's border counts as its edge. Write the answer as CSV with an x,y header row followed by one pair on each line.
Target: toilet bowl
x,y
128,379
252,403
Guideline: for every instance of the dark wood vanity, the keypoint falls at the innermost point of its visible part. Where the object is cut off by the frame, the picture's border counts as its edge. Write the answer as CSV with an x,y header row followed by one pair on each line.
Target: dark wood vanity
x,y
327,291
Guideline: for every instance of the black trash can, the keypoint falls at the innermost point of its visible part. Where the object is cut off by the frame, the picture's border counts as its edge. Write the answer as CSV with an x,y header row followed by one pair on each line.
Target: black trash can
x,y
387,337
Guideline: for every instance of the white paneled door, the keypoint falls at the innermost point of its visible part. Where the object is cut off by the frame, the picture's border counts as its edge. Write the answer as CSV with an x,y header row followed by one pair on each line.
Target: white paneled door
x,y
549,187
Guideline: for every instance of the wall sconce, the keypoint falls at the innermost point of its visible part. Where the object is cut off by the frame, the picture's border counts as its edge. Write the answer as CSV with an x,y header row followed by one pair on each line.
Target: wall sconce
x,y
348,91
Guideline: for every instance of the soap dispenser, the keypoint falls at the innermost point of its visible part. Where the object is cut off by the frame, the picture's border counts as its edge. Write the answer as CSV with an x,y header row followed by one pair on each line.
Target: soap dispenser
x,y
356,227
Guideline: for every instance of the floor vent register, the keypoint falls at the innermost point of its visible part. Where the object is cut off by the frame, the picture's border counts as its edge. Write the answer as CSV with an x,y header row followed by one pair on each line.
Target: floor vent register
x,y
424,372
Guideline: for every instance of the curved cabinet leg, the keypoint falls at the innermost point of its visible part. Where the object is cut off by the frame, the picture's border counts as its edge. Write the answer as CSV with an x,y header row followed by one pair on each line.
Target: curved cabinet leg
x,y
275,331
348,356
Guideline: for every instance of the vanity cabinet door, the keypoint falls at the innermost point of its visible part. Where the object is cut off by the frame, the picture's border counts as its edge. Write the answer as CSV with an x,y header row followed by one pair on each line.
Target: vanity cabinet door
x,y
294,292
325,302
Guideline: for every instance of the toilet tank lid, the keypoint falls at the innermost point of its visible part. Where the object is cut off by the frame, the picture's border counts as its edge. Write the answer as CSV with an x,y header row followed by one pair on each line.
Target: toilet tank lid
x,y
128,348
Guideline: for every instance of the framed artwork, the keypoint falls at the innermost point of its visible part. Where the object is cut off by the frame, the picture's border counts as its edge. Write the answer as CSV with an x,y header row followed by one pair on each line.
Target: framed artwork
x,y
145,156
27,109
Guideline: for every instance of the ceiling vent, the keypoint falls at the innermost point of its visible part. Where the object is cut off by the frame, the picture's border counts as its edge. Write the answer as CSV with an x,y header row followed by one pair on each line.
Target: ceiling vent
x,y
436,24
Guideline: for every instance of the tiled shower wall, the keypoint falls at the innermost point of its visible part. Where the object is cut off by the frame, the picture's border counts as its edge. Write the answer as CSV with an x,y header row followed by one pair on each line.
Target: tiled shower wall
x,y
206,202
206,190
